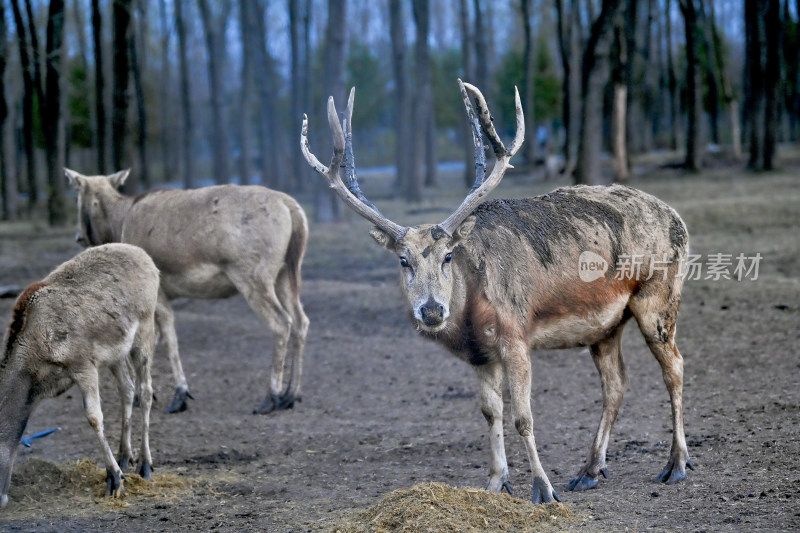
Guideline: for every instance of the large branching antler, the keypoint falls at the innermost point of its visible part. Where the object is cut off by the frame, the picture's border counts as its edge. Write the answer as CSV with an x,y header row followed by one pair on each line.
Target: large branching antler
x,y
483,184
349,191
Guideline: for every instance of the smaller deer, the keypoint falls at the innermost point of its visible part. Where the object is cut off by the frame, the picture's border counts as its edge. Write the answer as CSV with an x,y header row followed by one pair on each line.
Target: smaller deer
x,y
96,310
498,278
211,243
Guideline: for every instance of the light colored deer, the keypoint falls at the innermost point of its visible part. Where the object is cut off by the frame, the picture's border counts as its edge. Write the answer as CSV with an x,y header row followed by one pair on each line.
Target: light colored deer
x,y
96,310
500,277
209,243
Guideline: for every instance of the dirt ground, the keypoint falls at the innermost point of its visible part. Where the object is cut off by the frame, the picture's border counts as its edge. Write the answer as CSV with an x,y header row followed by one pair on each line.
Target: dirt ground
x,y
384,409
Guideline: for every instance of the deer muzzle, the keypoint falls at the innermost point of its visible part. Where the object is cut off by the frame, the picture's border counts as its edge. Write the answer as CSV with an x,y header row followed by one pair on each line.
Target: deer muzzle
x,y
432,313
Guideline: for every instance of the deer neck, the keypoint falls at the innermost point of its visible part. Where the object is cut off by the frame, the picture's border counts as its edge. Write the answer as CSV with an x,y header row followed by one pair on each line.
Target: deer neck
x,y
117,206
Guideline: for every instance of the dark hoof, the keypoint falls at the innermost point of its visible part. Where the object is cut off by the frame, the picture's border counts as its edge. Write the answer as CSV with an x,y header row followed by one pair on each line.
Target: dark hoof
x,y
673,472
179,404
585,482
504,484
145,471
124,460
542,493
276,403
114,481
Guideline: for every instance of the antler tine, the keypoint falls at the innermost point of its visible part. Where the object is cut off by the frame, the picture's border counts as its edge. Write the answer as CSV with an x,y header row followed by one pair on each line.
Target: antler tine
x,y
483,187
477,139
354,199
350,179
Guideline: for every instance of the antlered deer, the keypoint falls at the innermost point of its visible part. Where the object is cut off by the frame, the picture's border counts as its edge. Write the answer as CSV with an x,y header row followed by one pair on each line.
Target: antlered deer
x,y
210,243
500,277
96,310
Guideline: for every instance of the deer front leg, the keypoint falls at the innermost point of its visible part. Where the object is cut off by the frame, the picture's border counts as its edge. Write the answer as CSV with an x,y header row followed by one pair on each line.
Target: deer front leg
x,y
607,357
491,391
517,366
87,381
165,319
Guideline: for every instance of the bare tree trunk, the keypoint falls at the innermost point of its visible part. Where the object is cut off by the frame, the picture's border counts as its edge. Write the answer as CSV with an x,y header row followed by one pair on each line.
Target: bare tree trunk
x,y
403,148
621,172
569,37
28,96
672,82
51,114
528,89
35,53
629,26
166,105
424,149
215,43
594,75
772,77
121,21
269,141
713,73
469,74
620,79
6,206
83,54
694,91
245,104
754,29
298,56
141,145
725,84
481,42
186,104
651,72
99,87
328,206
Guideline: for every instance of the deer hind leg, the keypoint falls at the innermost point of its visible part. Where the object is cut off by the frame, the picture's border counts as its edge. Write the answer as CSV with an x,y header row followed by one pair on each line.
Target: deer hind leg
x,y
517,366
656,313
88,383
491,391
126,393
297,338
165,319
607,357
142,360
260,294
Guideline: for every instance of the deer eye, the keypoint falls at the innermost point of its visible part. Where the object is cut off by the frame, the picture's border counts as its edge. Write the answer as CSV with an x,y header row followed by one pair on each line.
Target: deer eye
x,y
404,262
448,258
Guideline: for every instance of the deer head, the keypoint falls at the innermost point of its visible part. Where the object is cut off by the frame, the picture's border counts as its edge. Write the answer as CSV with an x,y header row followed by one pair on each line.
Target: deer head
x,y
430,269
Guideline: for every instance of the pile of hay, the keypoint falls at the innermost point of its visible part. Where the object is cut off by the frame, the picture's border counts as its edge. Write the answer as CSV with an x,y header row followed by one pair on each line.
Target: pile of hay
x,y
39,484
436,507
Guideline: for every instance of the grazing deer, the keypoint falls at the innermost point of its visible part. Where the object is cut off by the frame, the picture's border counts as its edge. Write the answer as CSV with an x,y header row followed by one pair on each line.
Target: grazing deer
x,y
96,310
211,243
500,277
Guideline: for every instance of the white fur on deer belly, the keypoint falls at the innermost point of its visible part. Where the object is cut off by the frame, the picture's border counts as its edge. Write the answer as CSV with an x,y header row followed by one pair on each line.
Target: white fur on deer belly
x,y
204,281
569,331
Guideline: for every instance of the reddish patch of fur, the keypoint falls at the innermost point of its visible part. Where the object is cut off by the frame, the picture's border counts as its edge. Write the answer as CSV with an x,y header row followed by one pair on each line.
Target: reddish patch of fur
x,y
579,298
20,312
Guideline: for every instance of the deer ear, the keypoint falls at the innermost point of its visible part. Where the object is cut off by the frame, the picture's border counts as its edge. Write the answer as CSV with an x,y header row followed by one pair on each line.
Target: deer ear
x,y
118,179
74,179
464,229
382,238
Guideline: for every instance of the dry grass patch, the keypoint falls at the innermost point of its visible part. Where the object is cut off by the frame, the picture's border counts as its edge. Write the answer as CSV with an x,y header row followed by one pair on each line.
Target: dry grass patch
x,y
41,486
436,507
